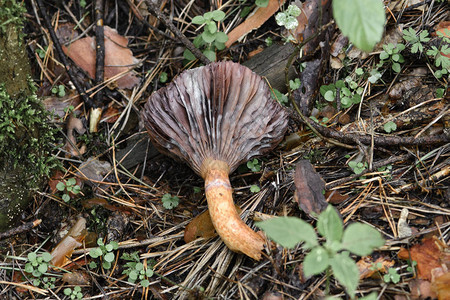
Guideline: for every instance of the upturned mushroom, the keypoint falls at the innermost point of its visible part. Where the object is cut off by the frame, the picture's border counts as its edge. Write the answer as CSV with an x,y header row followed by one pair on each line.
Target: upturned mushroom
x,y
214,118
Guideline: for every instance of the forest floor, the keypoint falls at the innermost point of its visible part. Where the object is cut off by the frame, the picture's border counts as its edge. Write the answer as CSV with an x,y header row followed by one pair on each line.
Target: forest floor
x,y
380,143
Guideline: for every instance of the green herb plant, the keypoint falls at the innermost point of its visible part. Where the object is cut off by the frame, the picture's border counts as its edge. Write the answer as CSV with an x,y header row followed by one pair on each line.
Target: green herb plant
x,y
357,167
262,3
169,201
441,61
391,276
416,40
392,53
254,188
136,270
349,92
37,265
254,165
73,294
332,256
288,18
68,186
106,252
211,38
390,127
59,90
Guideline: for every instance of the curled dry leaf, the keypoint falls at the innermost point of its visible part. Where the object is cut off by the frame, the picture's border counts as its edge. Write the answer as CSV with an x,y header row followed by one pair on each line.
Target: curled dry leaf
x,y
368,267
74,124
76,278
430,254
118,58
309,188
63,251
254,21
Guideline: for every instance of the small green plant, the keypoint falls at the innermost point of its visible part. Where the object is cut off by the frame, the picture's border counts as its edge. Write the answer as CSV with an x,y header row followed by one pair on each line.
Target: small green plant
x,y
262,3
59,90
211,39
439,55
170,201
334,254
163,77
392,54
254,165
294,84
48,282
136,270
68,186
37,265
349,92
281,98
254,188
288,18
197,190
104,251
410,35
357,167
75,293
412,266
390,127
391,276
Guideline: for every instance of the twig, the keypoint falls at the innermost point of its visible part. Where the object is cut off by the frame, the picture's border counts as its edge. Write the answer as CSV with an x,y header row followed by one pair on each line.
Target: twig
x,y
153,9
20,229
100,52
62,57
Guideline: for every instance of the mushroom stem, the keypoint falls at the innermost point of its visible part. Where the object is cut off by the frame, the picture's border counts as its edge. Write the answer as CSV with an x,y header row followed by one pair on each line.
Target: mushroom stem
x,y
233,231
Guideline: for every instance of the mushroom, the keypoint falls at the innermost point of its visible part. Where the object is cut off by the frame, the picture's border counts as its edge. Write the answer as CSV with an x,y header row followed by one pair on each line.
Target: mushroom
x,y
214,118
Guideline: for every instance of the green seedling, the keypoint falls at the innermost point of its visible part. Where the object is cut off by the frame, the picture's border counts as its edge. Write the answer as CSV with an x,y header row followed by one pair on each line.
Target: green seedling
x,y
262,3
106,252
254,188
68,186
349,92
169,201
136,270
357,167
390,127
332,256
59,90
163,77
73,294
211,39
281,98
391,276
288,18
392,54
254,165
416,40
37,265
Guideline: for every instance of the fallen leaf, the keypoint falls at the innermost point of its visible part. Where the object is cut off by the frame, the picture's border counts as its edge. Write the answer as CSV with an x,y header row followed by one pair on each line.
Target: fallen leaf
x,y
118,58
63,251
428,255
368,268
254,21
74,124
413,80
110,115
441,286
421,289
309,188
335,197
76,278
93,169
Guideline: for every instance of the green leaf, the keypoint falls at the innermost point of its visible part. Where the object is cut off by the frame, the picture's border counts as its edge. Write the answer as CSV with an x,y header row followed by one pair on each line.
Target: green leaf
x,y
390,126
329,96
262,3
109,257
316,261
145,283
361,239
330,225
46,256
67,291
32,256
96,252
371,296
221,37
219,46
289,231
208,15
218,15
211,55
61,186
396,67
43,268
187,54
208,37
346,272
254,188
66,197
198,20
211,27
361,20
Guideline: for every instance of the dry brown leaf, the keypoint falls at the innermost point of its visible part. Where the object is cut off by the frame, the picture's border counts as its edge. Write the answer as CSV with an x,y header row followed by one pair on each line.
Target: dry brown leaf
x,y
118,57
309,188
368,267
441,286
63,251
254,21
76,278
74,124
421,289
428,255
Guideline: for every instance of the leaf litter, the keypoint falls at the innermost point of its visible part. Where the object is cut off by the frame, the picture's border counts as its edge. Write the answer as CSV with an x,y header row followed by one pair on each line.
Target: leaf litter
x,y
395,177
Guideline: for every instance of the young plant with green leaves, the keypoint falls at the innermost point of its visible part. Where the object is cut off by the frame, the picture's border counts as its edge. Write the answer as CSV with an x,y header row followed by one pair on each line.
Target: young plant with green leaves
x,y
349,92
392,53
68,186
169,201
333,255
74,293
37,265
106,252
440,54
136,270
416,40
211,38
254,165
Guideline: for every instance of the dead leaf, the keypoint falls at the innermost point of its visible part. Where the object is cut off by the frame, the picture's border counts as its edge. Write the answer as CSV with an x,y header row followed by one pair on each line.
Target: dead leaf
x,y
441,286
74,124
309,188
428,255
93,169
368,267
76,278
335,197
413,80
254,21
421,289
111,115
63,251
118,57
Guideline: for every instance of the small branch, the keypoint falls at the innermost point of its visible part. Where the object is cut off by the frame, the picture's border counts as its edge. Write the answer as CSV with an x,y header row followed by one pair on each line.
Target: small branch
x,y
62,57
100,52
153,9
20,229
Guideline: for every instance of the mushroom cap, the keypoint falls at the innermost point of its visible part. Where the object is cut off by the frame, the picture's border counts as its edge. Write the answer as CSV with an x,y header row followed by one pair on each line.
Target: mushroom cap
x,y
221,111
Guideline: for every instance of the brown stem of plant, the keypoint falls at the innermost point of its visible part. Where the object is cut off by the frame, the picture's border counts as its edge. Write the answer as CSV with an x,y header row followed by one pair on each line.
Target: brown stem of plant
x,y
228,224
